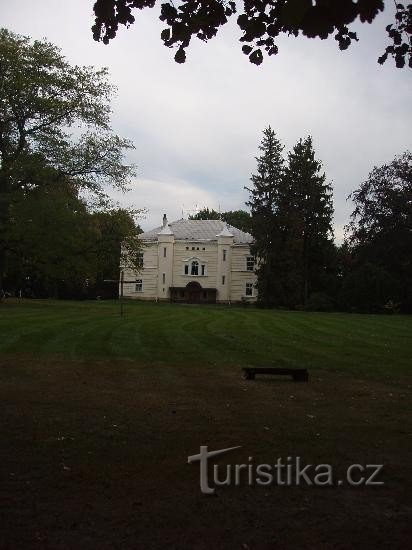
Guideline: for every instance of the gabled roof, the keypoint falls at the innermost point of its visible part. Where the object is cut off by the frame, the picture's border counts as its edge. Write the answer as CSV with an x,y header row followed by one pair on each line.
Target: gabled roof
x,y
199,230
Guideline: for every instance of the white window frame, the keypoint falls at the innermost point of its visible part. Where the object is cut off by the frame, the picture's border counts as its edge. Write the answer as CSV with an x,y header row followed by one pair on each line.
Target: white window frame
x,y
248,286
188,267
250,263
138,283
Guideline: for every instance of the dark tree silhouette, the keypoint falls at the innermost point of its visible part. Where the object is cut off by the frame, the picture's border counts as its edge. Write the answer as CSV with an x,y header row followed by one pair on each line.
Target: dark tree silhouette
x,y
265,197
236,218
57,247
292,209
380,231
260,22
206,214
54,123
306,213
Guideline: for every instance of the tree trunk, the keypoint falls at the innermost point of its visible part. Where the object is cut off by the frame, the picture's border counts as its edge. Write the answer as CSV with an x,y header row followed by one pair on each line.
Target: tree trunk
x,y
5,193
305,268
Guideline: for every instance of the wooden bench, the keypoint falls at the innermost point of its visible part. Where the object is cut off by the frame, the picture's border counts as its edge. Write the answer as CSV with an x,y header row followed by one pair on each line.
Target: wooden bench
x,y
298,375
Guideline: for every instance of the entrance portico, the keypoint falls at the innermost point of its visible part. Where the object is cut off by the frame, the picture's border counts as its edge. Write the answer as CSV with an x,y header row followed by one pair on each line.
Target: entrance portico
x,y
193,293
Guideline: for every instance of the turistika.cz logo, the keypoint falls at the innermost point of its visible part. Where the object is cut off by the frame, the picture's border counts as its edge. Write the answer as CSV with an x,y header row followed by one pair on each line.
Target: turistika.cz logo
x,y
291,471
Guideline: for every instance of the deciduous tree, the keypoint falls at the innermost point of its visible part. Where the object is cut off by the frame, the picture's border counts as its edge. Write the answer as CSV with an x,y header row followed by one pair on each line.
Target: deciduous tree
x,y
261,23
206,214
54,119
380,231
50,241
58,247
236,218
117,244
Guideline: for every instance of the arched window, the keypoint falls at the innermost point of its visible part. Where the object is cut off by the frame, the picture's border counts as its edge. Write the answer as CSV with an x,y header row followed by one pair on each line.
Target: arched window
x,y
194,267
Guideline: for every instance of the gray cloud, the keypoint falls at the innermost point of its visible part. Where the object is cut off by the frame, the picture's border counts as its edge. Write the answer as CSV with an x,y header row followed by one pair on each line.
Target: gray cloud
x,y
197,126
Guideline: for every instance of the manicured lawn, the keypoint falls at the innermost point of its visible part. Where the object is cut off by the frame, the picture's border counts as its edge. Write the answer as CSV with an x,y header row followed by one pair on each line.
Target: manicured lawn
x,y
100,412
209,336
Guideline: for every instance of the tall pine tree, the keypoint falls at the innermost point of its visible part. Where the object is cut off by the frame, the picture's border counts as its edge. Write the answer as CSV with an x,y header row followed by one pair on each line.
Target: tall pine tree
x,y
306,211
292,209
264,203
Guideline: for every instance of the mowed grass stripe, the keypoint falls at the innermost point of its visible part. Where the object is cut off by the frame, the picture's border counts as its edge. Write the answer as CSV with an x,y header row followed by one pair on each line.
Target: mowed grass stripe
x,y
208,335
339,340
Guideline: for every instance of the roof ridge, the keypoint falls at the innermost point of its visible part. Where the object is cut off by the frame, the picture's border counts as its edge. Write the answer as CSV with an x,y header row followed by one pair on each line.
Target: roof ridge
x,y
199,230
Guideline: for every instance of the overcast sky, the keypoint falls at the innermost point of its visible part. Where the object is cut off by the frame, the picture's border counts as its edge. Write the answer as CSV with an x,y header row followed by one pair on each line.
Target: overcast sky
x,y
196,127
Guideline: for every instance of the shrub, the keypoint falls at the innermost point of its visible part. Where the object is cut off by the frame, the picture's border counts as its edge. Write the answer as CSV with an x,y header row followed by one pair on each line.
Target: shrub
x,y
319,301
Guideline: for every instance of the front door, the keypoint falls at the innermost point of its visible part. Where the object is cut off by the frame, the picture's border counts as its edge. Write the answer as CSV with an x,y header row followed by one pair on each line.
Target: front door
x,y
193,290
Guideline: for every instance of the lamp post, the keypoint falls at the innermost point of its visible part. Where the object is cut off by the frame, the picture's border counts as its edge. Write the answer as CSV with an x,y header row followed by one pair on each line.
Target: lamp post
x,y
121,281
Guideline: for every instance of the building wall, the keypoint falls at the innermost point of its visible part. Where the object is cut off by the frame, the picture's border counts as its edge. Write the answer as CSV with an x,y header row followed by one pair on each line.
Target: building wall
x,y
184,251
208,252
149,275
240,275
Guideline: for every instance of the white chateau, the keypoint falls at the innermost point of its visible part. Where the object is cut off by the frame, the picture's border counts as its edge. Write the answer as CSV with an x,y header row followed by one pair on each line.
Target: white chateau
x,y
194,261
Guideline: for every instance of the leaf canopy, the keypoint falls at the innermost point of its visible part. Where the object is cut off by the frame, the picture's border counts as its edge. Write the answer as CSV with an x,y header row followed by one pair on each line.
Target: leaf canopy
x,y
260,22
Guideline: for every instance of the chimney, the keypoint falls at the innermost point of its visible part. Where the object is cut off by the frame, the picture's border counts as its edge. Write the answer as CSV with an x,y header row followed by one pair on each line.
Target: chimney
x,y
164,220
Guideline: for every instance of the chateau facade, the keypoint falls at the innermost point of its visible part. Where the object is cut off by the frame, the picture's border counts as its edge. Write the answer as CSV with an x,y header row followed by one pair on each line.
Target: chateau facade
x,y
196,261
